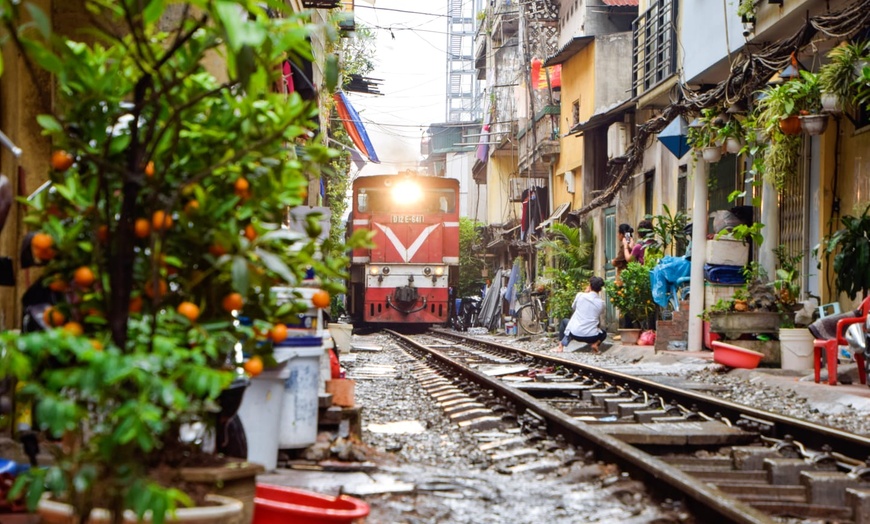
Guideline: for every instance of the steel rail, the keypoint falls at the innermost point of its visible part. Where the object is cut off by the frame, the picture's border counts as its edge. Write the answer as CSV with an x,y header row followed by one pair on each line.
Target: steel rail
x,y
703,500
809,434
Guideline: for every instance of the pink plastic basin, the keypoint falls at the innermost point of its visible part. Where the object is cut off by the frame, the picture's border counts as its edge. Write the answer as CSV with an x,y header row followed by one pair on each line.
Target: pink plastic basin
x,y
735,356
281,505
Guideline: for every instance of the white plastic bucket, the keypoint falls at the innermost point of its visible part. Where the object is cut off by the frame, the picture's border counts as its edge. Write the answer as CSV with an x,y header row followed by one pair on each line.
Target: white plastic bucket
x,y
302,384
796,346
260,413
342,334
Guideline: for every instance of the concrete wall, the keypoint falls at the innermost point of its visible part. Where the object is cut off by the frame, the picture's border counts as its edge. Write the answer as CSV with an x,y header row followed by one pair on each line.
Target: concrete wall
x,y
578,84
472,197
707,31
612,62
589,18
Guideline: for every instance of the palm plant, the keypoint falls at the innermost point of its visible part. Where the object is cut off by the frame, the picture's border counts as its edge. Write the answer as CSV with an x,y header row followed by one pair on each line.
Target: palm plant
x,y
571,248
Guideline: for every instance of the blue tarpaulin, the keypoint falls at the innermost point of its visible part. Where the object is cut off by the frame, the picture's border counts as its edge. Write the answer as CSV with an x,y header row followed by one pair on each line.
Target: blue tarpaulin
x,y
665,277
732,275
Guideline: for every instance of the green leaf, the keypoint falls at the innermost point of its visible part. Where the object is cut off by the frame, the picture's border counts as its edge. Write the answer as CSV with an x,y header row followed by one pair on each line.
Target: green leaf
x,y
153,11
276,265
49,123
241,275
43,24
119,144
330,71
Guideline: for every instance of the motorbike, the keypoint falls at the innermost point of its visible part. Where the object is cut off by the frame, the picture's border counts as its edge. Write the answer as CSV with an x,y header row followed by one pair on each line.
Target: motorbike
x,y
858,337
466,313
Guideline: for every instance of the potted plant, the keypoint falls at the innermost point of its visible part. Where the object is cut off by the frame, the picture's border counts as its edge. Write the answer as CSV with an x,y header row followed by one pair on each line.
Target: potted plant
x,y
808,94
633,297
796,343
732,135
837,78
746,11
850,247
703,134
777,112
164,219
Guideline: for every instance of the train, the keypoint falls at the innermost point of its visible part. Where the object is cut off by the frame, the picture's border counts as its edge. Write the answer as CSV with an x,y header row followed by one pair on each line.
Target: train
x,y
407,277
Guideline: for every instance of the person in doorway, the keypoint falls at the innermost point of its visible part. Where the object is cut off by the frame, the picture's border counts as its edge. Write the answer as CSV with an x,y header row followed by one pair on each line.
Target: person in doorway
x,y
634,250
585,322
619,262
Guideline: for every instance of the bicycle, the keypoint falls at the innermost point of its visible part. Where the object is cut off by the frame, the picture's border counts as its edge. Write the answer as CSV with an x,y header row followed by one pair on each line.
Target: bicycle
x,y
532,316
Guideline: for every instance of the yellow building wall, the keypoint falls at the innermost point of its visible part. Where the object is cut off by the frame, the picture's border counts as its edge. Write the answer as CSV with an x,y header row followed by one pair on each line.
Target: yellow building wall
x,y
578,84
499,208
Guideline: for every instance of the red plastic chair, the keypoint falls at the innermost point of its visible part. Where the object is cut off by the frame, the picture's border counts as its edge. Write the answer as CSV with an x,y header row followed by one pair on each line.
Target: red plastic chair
x,y
831,348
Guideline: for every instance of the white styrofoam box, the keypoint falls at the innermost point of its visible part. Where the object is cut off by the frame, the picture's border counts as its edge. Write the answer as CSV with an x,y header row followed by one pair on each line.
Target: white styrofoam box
x,y
714,292
727,252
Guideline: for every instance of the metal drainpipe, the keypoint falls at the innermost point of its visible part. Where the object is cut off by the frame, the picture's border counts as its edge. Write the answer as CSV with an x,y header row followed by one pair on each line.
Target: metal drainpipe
x,y
699,253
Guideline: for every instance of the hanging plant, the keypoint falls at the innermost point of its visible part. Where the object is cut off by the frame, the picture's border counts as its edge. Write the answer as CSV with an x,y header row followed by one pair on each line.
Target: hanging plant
x,y
840,78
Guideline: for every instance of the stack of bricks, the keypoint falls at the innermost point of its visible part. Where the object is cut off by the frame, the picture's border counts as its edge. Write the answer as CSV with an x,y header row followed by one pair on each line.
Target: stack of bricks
x,y
675,329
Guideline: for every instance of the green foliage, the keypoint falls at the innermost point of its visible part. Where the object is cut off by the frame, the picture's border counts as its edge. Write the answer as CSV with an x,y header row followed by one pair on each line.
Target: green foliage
x,y
704,133
788,282
357,52
845,73
471,262
852,247
571,248
563,289
746,9
152,132
742,232
633,296
668,230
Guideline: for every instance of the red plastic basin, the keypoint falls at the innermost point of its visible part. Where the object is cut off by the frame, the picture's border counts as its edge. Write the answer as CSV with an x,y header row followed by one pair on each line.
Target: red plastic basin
x,y
282,505
735,356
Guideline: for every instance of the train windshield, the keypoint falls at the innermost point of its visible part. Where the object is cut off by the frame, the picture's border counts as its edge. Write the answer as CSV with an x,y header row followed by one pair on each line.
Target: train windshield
x,y
411,198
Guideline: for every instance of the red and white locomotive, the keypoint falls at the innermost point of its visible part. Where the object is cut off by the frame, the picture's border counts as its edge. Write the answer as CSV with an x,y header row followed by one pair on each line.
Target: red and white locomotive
x,y
407,276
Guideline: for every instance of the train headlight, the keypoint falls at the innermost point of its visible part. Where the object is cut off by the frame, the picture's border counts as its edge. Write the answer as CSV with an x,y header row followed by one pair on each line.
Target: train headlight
x,y
439,271
427,271
407,192
386,270
373,270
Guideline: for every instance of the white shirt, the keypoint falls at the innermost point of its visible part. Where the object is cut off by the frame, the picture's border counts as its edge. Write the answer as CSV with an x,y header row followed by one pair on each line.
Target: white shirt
x,y
588,308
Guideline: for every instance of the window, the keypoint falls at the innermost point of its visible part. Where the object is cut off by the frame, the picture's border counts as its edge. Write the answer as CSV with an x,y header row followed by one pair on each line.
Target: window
x,y
648,191
654,46
575,112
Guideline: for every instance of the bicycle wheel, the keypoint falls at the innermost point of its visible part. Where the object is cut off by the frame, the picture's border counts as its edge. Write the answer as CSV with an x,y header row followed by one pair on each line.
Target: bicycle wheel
x,y
527,318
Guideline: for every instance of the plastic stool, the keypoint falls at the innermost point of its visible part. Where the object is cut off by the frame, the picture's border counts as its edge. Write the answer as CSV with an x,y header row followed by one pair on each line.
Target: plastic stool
x,y
831,349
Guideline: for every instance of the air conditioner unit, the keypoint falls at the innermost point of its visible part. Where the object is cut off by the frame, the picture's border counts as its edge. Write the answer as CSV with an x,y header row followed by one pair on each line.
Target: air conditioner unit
x,y
569,181
617,140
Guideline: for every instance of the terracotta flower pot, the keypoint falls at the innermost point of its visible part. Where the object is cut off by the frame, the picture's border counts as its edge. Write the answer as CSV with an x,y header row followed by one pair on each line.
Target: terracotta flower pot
x,y
629,337
814,124
790,125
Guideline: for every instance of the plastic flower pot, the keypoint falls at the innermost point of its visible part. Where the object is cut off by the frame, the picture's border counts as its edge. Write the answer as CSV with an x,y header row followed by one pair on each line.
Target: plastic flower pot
x,y
281,505
712,154
733,145
735,356
814,124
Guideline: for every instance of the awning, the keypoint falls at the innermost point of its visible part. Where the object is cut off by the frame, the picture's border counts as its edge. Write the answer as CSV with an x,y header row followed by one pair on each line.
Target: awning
x,y
354,127
557,214
574,46
621,3
605,116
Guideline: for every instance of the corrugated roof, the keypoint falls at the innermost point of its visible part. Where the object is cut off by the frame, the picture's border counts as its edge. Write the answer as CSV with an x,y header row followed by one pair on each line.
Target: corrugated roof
x,y
621,3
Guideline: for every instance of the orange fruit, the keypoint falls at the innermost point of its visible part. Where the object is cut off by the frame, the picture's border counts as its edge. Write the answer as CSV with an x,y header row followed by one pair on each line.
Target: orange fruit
x,y
278,333
254,365
303,192
192,207
44,253
53,317
58,285
149,169
232,302
142,228
217,250
189,310
161,221
320,299
84,277
97,344
74,328
136,304
61,160
103,234
41,241
161,288
250,232
241,186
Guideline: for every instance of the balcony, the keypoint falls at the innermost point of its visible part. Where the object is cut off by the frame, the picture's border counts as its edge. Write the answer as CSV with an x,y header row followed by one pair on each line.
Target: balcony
x,y
505,19
537,149
654,39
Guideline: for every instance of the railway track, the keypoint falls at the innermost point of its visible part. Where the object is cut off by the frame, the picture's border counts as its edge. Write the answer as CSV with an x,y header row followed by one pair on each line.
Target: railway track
x,y
726,462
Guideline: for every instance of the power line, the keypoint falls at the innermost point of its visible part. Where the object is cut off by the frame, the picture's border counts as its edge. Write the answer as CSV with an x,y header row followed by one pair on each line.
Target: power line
x,y
357,6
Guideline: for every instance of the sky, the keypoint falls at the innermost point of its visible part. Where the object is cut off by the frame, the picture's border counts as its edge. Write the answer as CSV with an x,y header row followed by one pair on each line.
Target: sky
x,y
411,62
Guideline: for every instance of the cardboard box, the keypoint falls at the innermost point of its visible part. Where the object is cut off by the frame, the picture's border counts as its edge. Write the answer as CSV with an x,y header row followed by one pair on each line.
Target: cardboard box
x,y
726,252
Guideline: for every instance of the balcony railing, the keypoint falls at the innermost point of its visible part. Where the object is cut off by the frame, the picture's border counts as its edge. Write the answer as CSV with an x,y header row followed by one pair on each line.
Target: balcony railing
x,y
655,46
536,149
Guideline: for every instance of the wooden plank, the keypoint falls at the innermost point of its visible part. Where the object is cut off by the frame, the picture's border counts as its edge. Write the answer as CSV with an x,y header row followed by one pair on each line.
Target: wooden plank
x,y
677,433
550,386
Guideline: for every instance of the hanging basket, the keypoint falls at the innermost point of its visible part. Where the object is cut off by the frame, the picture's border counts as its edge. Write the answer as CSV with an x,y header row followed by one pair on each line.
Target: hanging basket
x,y
814,124
790,125
733,145
712,154
831,104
